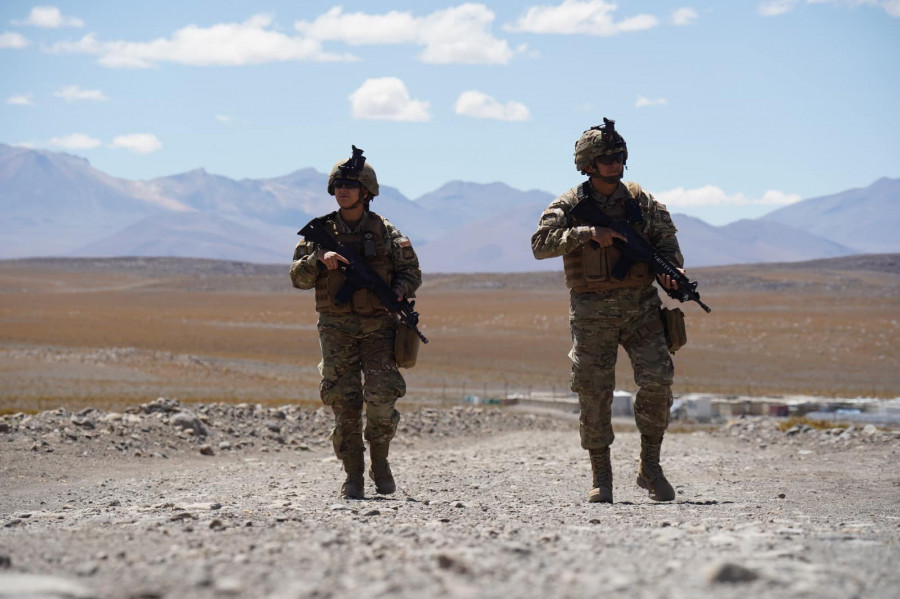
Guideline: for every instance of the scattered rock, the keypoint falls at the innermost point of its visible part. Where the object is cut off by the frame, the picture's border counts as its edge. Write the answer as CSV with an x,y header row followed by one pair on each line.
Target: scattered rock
x,y
446,562
38,586
730,573
188,421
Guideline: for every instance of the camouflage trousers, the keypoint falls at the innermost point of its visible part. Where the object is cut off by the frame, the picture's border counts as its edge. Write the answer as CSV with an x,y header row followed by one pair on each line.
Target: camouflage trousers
x,y
600,322
358,367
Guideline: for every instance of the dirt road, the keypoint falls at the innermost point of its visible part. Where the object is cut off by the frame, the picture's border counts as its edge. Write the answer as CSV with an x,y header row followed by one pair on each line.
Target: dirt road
x,y
489,504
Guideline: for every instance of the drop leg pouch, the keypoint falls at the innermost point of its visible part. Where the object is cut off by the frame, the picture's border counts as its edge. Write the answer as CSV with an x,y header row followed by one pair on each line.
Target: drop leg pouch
x,y
406,346
673,325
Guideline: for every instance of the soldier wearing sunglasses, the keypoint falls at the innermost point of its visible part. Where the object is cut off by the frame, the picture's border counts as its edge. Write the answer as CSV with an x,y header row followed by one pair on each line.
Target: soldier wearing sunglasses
x,y
359,365
611,307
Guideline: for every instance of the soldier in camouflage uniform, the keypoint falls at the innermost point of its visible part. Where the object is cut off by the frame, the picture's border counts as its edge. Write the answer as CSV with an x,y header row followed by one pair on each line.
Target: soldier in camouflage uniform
x,y
606,312
357,338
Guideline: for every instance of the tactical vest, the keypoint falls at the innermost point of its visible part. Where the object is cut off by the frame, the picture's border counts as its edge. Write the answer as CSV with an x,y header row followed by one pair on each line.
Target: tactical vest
x,y
368,245
590,267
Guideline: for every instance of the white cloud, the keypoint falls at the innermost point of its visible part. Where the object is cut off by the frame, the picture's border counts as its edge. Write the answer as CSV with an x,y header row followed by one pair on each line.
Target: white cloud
x,y
25,144
76,141
73,93
20,100
139,143
592,17
774,8
10,39
710,195
387,98
227,44
459,34
223,118
482,106
642,101
684,16
49,17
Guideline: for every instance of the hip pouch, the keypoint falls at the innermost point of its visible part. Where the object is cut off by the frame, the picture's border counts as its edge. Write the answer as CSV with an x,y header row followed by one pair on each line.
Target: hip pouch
x,y
406,346
673,325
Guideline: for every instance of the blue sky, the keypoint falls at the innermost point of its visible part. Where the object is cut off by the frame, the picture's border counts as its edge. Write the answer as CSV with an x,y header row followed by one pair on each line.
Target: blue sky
x,y
730,110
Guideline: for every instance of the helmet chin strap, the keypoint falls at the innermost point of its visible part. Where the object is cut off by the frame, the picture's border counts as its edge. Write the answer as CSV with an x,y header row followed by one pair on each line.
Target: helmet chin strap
x,y
363,196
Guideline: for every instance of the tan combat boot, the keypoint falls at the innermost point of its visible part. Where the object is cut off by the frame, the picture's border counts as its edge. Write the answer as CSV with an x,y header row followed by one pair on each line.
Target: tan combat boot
x,y
602,469
381,470
354,486
650,475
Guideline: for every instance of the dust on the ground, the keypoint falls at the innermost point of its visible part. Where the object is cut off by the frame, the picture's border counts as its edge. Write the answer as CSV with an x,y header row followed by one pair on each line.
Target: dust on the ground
x,y
167,499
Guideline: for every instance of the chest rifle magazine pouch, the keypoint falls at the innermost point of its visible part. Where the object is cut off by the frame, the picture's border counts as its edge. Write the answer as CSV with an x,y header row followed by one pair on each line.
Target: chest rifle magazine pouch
x,y
594,260
673,325
406,346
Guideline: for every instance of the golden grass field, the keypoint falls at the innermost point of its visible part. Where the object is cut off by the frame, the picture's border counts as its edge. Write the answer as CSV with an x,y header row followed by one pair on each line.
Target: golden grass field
x,y
115,332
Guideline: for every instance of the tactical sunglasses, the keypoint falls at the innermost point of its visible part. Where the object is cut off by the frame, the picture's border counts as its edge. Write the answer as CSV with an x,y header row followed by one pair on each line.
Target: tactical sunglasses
x,y
611,158
347,184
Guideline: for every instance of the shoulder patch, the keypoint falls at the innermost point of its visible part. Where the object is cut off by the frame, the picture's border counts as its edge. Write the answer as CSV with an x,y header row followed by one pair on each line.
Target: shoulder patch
x,y
664,215
404,242
553,217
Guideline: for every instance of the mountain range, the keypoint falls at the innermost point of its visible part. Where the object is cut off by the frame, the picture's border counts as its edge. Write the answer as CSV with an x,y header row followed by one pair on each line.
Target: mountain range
x,y
56,204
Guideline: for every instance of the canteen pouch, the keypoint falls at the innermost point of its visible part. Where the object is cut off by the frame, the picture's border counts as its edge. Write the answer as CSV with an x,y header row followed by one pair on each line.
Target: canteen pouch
x,y
673,325
406,346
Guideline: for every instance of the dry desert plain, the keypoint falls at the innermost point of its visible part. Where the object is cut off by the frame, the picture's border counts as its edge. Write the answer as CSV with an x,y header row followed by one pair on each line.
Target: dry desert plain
x,y
116,332
107,491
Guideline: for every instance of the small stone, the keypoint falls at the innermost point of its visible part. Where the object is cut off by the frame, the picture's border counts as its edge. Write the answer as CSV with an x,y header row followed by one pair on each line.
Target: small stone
x,y
732,574
781,496
181,516
447,562
38,585
188,422
4,427
216,525
206,450
5,562
229,585
87,569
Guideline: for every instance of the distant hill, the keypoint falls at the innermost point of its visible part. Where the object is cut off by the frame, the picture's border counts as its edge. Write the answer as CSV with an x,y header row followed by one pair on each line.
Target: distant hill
x,y
53,203
496,243
191,235
750,241
864,219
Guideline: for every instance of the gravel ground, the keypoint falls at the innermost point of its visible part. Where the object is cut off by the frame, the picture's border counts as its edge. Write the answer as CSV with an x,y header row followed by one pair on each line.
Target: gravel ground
x,y
169,500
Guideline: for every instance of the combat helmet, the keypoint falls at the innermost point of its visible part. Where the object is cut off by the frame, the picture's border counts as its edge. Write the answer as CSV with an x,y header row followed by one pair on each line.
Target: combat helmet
x,y
355,168
599,141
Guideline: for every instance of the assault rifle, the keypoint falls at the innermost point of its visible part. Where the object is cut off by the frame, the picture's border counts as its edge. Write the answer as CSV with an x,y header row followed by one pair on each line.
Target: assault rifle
x,y
360,275
636,249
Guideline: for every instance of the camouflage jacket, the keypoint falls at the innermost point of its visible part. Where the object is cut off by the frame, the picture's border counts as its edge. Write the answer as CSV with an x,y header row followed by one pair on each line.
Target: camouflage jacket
x,y
407,277
557,237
